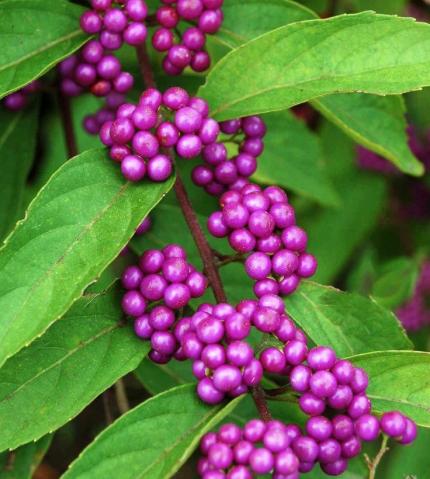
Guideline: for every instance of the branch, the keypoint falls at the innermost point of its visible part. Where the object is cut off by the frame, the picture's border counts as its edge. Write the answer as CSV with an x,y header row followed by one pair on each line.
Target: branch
x,y
372,465
121,397
200,240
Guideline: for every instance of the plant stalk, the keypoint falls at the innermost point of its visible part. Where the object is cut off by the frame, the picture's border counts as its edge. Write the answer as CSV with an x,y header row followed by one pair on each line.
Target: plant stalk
x,y
205,251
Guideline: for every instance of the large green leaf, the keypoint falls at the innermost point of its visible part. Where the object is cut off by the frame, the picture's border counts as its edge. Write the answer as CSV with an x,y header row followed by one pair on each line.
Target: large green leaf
x,y
16,157
73,229
22,462
239,23
151,441
348,322
309,59
399,380
293,158
377,123
45,385
34,36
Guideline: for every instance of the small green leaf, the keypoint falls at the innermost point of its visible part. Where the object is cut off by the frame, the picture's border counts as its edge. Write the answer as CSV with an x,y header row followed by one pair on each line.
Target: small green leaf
x,y
293,158
48,383
399,380
153,440
239,23
396,282
35,35
16,157
22,462
348,322
309,59
378,123
73,229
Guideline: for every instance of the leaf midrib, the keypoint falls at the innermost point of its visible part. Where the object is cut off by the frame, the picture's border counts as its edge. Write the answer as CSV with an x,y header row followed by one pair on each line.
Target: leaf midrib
x,y
71,352
41,50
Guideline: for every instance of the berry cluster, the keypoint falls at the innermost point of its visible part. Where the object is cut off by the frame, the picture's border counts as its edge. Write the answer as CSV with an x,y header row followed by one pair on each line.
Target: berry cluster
x,y
19,99
262,222
93,69
223,362
187,48
415,314
163,283
283,450
159,121
219,173
116,22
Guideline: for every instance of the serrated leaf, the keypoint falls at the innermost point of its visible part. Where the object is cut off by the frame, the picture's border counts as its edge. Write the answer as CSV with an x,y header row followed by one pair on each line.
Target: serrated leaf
x,y
399,380
293,158
16,157
45,385
35,35
348,322
377,123
73,229
163,432
309,59
239,23
22,462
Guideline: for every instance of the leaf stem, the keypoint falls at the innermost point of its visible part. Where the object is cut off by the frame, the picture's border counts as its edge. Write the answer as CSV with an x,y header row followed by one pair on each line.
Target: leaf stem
x,y
67,120
121,397
375,463
205,251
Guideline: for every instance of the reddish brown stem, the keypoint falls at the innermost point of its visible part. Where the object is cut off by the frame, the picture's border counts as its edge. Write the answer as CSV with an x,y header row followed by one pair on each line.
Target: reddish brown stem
x,y
67,119
202,244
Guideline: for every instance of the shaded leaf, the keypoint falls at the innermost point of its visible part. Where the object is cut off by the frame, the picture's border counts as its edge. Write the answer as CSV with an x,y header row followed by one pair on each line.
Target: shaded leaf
x,y
22,462
348,322
293,159
73,229
16,157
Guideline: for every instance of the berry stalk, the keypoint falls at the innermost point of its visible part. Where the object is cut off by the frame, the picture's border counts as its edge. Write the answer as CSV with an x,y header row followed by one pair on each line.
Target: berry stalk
x,y
205,251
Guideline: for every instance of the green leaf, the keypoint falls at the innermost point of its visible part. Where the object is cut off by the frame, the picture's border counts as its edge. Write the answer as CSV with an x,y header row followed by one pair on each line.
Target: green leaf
x,y
399,380
153,440
378,123
293,158
75,360
309,59
35,35
396,282
345,227
16,157
160,377
73,229
239,23
348,322
22,462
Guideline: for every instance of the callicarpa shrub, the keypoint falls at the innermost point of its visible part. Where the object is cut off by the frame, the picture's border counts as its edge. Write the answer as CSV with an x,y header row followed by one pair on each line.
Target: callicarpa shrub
x,y
215,233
